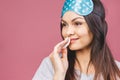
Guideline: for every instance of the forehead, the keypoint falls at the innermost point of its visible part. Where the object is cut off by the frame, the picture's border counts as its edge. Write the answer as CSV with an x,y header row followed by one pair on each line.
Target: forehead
x,y
69,15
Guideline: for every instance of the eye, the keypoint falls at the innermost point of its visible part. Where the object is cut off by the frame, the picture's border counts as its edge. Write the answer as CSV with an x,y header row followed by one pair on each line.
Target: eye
x,y
63,24
77,23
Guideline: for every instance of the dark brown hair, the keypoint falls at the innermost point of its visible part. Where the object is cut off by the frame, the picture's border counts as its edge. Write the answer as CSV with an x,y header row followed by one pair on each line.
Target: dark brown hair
x,y
101,56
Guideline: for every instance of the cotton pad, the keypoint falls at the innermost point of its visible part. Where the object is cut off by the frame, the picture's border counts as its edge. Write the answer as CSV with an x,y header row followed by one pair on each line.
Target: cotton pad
x,y
68,42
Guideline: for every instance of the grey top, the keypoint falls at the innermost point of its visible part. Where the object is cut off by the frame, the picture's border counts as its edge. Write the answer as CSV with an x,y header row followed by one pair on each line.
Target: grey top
x,y
46,71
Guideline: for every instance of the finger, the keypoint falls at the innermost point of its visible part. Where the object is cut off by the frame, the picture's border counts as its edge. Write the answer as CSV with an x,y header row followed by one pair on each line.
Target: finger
x,y
68,42
62,44
64,53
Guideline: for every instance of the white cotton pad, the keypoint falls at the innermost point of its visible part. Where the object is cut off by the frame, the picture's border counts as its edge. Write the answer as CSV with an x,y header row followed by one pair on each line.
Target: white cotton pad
x,y
68,42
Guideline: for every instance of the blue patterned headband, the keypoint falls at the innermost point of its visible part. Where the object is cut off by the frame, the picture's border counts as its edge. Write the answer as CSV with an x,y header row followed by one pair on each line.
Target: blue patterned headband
x,y
81,7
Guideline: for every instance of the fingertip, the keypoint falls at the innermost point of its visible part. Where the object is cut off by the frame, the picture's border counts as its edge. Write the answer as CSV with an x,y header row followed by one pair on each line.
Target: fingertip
x,y
67,42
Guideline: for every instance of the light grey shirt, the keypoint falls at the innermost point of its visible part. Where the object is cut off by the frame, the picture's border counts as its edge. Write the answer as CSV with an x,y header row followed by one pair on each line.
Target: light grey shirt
x,y
46,71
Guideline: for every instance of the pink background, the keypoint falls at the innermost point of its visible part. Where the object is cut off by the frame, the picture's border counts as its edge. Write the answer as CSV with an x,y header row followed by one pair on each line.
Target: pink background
x,y
29,29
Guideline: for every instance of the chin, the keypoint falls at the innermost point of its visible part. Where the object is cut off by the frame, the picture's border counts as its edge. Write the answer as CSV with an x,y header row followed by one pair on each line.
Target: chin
x,y
74,48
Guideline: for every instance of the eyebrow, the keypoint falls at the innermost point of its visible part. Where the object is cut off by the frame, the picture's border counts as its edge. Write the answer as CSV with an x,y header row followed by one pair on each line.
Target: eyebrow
x,y
77,18
73,19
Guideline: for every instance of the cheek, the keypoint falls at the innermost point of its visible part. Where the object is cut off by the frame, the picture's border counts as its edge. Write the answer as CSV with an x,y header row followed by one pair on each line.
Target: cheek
x,y
82,32
63,33
85,35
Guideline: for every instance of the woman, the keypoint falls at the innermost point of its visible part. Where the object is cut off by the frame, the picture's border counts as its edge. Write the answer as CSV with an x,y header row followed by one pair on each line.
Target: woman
x,y
88,56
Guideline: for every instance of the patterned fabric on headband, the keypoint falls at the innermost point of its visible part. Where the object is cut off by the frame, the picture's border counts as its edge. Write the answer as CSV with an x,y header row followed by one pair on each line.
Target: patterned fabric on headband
x,y
81,7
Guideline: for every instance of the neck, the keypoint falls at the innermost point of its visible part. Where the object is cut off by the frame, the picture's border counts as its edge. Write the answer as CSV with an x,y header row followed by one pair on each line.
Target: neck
x,y
83,57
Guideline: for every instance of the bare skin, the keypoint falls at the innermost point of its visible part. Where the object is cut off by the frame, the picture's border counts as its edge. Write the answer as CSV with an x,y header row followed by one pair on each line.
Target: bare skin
x,y
76,28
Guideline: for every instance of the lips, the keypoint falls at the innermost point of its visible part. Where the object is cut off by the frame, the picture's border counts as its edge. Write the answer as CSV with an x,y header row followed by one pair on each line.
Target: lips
x,y
72,40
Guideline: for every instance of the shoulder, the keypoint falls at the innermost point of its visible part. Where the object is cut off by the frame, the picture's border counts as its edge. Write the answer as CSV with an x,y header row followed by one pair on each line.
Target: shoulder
x,y
46,60
45,71
46,64
117,63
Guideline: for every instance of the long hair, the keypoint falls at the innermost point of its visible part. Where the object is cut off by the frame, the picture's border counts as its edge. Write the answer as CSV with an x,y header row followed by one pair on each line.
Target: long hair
x,y
101,56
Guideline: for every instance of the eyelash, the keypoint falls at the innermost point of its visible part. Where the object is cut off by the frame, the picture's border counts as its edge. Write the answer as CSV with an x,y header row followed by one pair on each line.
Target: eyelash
x,y
63,24
75,24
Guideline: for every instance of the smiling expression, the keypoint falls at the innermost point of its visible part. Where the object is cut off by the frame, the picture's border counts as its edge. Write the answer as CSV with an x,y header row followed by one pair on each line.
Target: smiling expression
x,y
75,27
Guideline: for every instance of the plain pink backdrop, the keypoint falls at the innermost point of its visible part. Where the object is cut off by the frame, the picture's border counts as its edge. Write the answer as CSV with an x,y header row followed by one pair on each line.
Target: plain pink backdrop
x,y
29,29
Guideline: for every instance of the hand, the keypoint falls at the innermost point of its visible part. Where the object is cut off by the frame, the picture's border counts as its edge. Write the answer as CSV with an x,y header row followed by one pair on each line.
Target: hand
x,y
60,64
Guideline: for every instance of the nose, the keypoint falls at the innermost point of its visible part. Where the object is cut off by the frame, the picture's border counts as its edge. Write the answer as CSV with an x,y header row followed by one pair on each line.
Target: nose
x,y
70,31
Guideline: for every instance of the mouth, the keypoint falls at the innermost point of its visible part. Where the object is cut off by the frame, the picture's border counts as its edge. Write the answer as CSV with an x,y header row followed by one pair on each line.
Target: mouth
x,y
72,40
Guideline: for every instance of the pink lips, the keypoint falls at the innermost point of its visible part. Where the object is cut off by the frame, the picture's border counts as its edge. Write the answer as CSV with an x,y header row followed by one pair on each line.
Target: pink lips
x,y
72,40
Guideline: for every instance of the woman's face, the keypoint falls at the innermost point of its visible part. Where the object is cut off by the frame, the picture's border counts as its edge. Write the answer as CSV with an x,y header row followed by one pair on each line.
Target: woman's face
x,y
75,27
